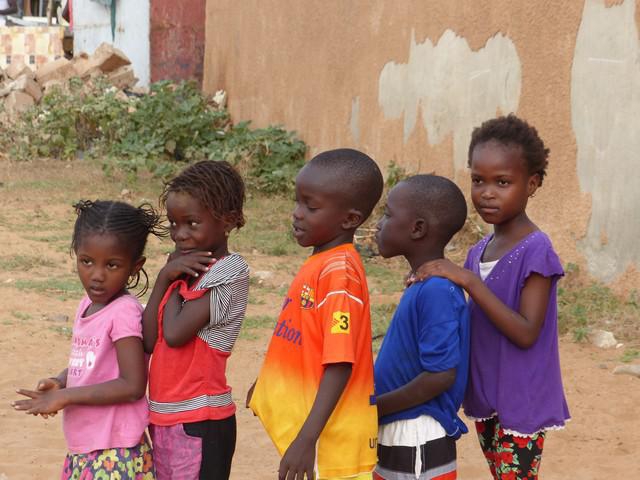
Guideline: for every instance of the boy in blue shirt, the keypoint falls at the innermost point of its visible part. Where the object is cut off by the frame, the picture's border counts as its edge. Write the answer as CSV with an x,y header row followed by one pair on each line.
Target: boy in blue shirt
x,y
421,369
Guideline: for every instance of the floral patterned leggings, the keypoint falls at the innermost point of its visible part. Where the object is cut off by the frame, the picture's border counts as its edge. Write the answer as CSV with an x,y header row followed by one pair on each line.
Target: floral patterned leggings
x,y
510,457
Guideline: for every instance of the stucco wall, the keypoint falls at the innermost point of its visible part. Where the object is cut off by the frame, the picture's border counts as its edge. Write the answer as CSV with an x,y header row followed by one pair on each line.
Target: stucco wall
x,y
407,81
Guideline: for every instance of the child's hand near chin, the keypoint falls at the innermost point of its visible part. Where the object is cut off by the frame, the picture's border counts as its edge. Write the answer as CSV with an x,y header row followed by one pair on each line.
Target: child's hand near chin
x,y
192,264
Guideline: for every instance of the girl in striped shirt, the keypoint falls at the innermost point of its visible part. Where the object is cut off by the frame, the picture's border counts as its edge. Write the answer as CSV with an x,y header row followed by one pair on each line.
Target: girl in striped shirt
x,y
191,323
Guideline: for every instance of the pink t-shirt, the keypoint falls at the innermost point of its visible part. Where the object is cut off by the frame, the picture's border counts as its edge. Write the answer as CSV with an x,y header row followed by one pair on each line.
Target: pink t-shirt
x,y
94,360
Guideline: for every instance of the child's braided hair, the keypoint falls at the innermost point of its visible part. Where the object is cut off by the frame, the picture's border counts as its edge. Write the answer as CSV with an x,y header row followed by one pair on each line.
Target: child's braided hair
x,y
513,131
215,184
132,225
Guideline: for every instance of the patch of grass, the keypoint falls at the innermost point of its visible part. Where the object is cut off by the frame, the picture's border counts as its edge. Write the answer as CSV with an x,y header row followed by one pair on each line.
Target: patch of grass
x,y
380,320
61,287
255,322
384,277
256,301
66,332
24,262
583,306
268,228
51,238
58,184
21,315
629,355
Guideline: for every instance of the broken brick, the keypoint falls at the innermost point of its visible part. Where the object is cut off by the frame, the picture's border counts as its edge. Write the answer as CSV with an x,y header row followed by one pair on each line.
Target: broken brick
x,y
123,77
60,69
15,70
108,58
18,102
27,85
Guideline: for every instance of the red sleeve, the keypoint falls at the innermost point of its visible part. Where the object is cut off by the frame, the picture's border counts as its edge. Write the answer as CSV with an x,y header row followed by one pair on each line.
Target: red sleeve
x,y
341,309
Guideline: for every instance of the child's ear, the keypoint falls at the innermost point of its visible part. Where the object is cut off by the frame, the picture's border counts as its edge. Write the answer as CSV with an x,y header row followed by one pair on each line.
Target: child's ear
x,y
138,265
420,229
533,184
229,224
353,219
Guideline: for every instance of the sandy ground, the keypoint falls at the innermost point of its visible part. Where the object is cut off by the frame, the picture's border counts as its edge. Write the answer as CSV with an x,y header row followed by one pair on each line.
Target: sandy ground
x,y
602,441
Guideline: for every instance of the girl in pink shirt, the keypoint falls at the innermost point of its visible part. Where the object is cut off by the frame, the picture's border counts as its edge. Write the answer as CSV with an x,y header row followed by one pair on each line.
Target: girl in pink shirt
x,y
102,390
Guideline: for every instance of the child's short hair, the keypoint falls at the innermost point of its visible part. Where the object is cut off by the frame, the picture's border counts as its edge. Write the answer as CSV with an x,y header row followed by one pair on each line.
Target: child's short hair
x,y
440,200
355,174
513,131
132,225
215,184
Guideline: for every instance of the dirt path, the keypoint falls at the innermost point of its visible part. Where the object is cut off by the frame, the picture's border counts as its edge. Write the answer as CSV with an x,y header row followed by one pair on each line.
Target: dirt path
x,y
39,288
601,441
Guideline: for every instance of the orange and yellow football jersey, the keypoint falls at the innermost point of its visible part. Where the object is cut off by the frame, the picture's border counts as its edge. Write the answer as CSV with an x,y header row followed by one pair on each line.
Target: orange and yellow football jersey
x,y
325,319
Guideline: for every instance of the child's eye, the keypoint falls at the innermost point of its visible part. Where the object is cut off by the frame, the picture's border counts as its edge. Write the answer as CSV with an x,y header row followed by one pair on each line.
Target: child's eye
x,y
172,224
112,266
477,181
193,224
85,261
502,183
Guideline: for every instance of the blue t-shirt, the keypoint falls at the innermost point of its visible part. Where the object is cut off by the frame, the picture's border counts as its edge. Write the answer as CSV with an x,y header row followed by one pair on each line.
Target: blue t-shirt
x,y
429,332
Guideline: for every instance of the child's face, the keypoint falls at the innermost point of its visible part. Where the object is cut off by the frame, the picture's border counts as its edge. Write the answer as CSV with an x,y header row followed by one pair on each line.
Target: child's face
x,y
193,227
104,266
500,182
394,229
319,214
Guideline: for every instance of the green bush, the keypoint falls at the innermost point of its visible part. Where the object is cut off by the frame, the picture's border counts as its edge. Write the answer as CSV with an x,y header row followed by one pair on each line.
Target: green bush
x,y
175,124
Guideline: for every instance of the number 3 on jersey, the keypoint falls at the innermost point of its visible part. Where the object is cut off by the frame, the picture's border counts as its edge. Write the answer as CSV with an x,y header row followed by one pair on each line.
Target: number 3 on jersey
x,y
341,322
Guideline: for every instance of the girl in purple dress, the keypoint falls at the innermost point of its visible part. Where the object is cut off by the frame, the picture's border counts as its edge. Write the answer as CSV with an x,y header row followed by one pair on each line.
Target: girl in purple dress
x,y
515,389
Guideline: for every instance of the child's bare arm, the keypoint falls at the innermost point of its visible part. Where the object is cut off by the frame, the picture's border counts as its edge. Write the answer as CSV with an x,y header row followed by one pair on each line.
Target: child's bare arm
x,y
150,315
421,389
521,327
299,459
128,387
181,323
191,264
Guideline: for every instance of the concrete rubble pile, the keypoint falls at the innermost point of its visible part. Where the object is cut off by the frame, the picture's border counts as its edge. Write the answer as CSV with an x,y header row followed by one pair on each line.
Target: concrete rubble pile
x,y
21,87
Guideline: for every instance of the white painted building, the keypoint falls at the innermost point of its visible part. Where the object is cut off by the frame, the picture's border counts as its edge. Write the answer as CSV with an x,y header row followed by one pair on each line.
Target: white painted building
x,y
92,26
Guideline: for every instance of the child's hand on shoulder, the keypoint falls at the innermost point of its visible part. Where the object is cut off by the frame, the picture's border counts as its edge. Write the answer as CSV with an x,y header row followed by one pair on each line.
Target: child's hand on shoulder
x,y
440,268
192,264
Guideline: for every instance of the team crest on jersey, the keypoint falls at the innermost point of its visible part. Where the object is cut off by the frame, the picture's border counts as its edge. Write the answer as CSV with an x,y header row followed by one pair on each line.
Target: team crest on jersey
x,y
307,297
341,322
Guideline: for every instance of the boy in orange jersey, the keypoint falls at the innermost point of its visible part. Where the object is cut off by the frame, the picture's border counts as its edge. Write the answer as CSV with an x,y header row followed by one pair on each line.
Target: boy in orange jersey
x,y
314,394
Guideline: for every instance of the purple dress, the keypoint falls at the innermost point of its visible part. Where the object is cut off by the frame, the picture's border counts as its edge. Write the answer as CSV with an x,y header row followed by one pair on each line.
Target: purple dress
x,y
522,386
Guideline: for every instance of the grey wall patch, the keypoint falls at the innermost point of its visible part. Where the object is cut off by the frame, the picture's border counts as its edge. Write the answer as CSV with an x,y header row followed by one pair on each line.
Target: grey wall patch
x,y
454,87
605,111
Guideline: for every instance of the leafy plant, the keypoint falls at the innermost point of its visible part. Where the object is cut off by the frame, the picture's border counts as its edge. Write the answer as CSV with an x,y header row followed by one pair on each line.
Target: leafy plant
x,y
175,124
395,174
